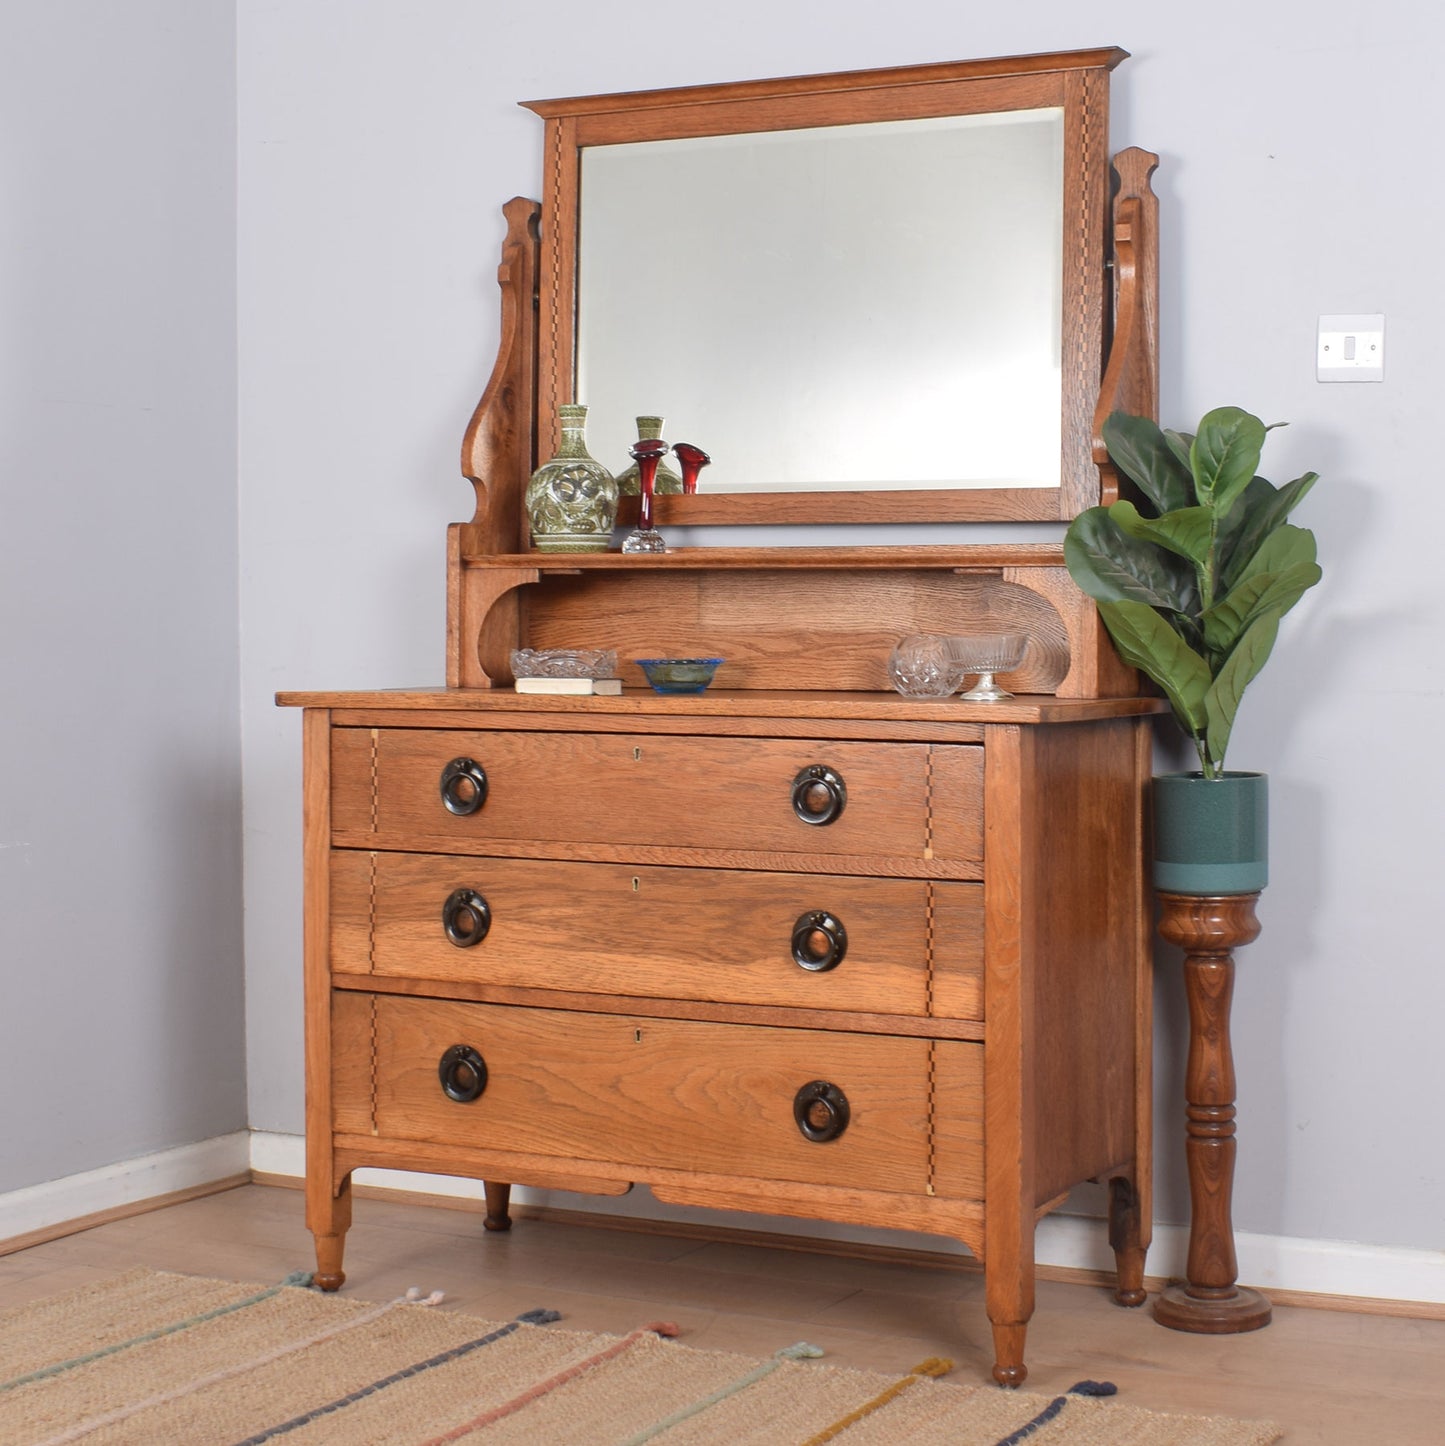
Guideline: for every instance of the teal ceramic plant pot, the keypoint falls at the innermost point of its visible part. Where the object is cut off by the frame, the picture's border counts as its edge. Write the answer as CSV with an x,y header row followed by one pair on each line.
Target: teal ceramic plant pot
x,y
1211,836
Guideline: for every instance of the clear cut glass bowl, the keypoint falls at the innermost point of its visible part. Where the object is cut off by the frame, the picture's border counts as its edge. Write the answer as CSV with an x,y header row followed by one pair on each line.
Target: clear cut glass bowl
x,y
564,662
985,654
922,666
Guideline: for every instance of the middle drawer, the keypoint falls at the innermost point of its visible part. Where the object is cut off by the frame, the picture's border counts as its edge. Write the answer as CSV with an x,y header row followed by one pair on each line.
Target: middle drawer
x,y
802,940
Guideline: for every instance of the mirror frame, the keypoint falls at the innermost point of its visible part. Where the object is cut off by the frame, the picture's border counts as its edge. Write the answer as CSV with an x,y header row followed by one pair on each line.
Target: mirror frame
x,y
1075,81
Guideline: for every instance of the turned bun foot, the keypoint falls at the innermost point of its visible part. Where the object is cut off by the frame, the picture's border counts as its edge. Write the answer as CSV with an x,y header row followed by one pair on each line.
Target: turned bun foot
x,y
1010,1376
329,1280
1132,1296
499,1200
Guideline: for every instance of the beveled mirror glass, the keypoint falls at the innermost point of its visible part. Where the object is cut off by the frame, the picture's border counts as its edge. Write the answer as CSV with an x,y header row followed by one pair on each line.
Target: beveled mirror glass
x,y
851,371
871,297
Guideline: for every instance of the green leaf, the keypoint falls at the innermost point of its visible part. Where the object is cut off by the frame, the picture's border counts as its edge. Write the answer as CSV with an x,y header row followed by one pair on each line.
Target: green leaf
x,y
1221,699
1224,456
1257,513
1142,453
1185,531
1111,566
1179,444
1285,547
1259,593
1146,641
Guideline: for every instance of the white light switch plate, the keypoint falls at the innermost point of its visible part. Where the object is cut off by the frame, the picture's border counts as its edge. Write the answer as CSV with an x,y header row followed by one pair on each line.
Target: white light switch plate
x,y
1351,349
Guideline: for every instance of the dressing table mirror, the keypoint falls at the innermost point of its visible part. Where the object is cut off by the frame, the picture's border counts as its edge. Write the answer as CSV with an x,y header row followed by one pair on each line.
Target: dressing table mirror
x,y
796,945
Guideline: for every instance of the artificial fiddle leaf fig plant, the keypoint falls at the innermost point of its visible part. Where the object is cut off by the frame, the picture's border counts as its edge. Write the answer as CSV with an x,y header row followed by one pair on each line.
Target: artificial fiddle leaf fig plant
x,y
1192,587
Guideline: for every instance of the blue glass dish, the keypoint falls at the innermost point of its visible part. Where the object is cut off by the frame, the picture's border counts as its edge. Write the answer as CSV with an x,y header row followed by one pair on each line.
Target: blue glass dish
x,y
678,675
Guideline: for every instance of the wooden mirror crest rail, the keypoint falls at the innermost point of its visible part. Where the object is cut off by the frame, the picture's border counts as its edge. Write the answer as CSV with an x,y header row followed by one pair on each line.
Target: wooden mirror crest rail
x,y
796,945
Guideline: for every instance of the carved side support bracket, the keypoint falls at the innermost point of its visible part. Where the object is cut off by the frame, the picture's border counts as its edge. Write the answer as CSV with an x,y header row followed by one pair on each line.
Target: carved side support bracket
x,y
483,617
1131,378
1094,667
499,446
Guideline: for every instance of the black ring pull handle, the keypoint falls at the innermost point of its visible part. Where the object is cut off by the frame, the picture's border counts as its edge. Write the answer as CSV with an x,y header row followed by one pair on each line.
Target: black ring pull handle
x,y
819,794
463,1073
466,916
821,1110
463,786
819,942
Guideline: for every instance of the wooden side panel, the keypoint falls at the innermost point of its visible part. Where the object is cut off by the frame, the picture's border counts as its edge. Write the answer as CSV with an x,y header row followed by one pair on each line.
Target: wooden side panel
x,y
1083,862
957,789
707,934
957,986
646,789
351,780
352,884
647,1093
958,1120
351,1060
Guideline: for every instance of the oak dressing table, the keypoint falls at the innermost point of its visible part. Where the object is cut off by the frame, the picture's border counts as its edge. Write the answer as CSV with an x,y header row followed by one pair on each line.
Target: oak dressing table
x,y
796,945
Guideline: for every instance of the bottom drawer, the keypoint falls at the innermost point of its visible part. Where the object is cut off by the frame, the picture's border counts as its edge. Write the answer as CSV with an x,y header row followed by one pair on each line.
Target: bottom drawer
x,y
720,1099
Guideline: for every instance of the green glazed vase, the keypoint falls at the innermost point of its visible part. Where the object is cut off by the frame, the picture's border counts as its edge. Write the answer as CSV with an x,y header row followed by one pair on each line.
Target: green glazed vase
x,y
571,500
1211,836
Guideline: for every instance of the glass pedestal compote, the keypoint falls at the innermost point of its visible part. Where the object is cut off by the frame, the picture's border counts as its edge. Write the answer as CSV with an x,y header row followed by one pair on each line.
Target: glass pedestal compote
x,y
647,453
985,654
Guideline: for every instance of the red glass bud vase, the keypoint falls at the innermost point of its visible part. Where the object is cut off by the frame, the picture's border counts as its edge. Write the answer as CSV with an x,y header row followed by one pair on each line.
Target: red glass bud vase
x,y
647,453
693,460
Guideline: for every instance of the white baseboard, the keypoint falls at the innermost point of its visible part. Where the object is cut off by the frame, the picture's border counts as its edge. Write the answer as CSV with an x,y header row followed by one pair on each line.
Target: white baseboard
x,y
1278,1262
43,1207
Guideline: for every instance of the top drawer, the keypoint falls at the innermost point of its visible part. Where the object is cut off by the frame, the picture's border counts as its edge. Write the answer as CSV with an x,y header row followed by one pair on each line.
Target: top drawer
x,y
461,790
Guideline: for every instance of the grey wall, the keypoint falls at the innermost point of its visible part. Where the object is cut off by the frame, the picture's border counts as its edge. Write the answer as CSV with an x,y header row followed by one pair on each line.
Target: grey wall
x,y
377,144
121,970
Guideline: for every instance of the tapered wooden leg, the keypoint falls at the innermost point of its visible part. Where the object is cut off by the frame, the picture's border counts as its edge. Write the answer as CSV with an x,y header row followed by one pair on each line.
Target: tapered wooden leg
x,y
1008,1350
1126,1237
1208,929
499,1199
328,1216
1008,1283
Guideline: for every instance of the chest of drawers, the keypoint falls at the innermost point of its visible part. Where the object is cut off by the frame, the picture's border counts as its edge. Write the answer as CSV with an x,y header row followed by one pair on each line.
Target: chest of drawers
x,y
854,958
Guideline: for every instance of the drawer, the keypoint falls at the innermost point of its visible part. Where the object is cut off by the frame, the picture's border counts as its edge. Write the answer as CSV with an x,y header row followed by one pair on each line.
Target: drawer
x,y
895,799
704,934
646,1094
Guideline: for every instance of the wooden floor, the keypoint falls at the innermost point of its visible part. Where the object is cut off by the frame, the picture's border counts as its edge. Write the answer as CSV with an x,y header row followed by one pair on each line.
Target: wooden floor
x,y
1328,1376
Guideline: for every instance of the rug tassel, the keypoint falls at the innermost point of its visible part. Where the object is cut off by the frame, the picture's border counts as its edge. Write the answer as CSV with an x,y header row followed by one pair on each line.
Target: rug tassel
x,y
299,1277
801,1351
933,1366
665,1328
539,1317
1094,1388
414,1296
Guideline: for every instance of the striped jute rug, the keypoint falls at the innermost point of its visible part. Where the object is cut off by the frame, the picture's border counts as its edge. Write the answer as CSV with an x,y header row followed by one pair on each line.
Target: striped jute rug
x,y
160,1359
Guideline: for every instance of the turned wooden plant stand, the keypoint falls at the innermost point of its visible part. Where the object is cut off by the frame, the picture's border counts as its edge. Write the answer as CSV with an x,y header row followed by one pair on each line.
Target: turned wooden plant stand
x,y
1209,929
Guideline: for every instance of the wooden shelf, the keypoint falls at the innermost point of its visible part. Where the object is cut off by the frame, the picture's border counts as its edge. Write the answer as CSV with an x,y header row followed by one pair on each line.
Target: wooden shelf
x,y
743,703
974,558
